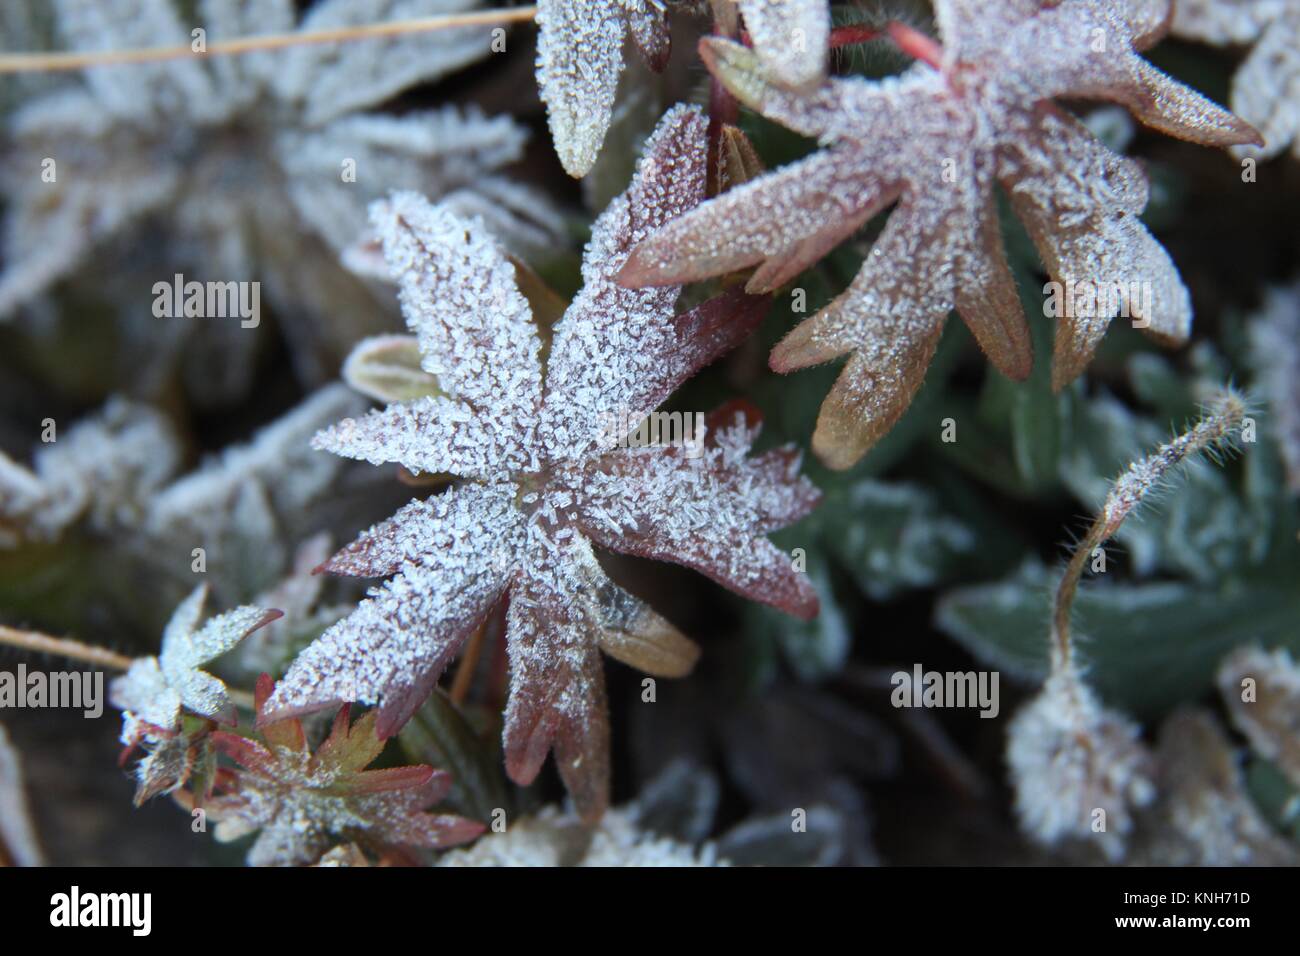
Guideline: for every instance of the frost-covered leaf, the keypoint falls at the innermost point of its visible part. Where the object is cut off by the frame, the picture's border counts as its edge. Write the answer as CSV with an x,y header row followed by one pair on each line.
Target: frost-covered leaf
x,y
1275,341
104,469
254,168
550,473
1226,21
552,838
937,140
1262,693
331,80
241,505
18,846
137,95
898,537
579,59
154,690
791,37
1204,814
1264,91
303,803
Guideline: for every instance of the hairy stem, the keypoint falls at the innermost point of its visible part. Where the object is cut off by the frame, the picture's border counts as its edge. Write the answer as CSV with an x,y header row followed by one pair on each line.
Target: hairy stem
x,y
1222,417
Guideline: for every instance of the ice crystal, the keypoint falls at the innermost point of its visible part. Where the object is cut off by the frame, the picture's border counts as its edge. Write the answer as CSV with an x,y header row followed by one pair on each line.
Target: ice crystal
x,y
791,38
154,690
257,167
1070,757
547,476
104,471
304,803
552,838
579,59
1264,91
936,141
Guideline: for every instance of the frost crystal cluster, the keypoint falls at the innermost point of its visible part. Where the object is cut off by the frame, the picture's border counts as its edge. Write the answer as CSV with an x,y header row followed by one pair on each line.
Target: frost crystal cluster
x,y
1079,769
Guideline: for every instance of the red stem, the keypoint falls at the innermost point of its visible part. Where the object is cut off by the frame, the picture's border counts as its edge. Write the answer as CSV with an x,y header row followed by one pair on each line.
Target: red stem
x,y
908,39
916,44
851,34
724,109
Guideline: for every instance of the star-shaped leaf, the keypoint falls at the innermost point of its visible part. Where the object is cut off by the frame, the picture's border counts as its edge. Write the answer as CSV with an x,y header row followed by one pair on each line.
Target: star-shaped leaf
x,y
546,474
936,141
155,689
304,803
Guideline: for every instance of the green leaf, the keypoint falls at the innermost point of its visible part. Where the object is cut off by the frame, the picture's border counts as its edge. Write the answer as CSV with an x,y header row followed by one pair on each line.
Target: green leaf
x,y
441,736
891,537
815,649
1274,795
1148,647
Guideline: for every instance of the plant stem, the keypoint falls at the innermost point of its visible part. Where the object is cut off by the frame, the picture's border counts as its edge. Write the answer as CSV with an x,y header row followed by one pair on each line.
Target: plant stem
x,y
915,43
1216,428
724,110
1062,644
50,62
851,34
39,643
468,664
